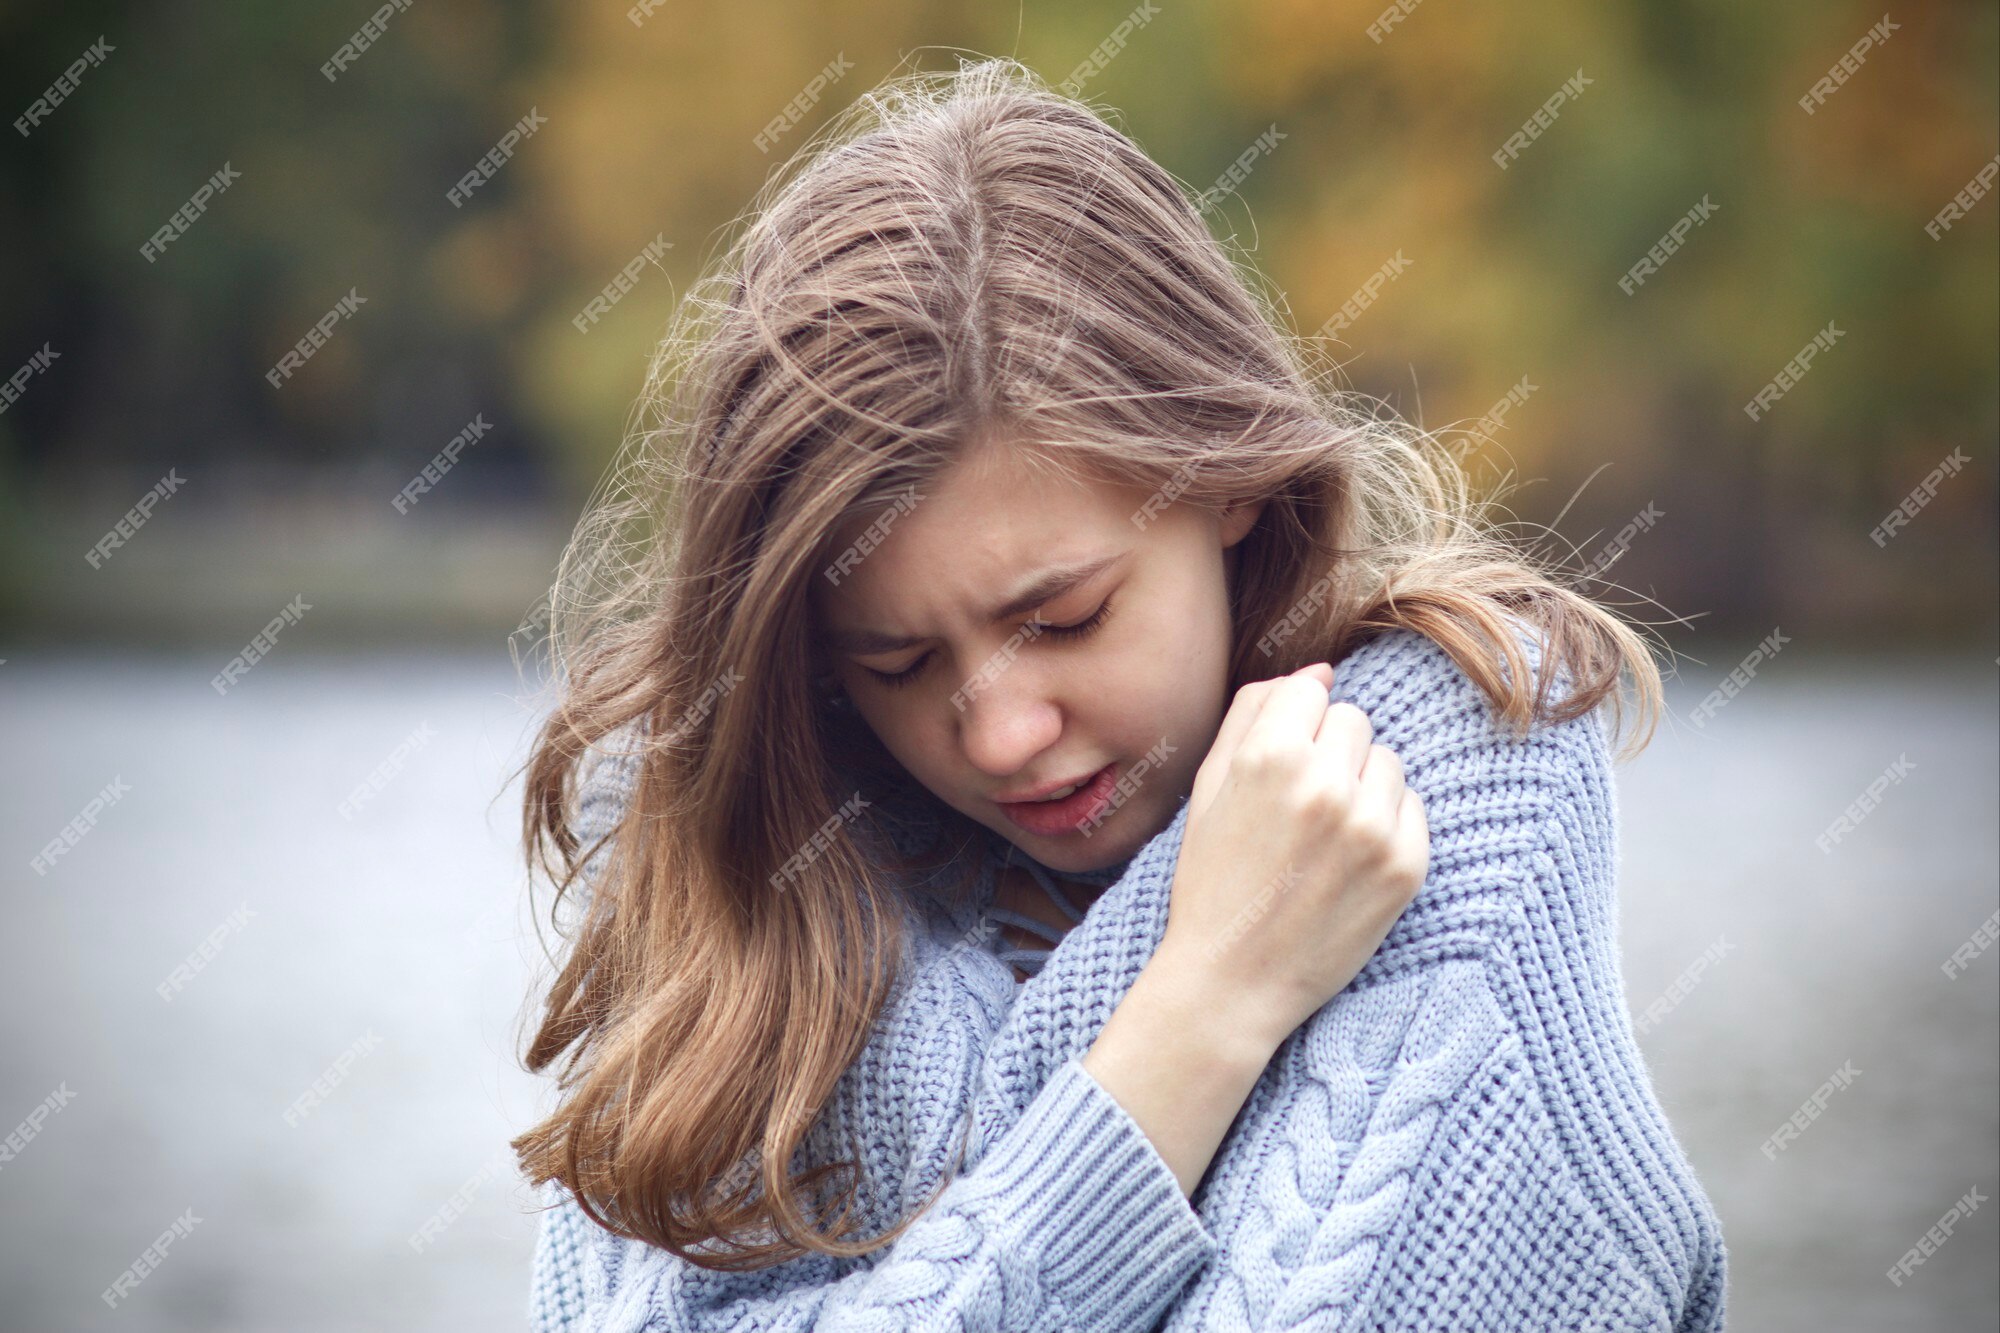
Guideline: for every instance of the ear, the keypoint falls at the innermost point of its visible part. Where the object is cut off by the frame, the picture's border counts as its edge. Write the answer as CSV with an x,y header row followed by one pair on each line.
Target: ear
x,y
1238,519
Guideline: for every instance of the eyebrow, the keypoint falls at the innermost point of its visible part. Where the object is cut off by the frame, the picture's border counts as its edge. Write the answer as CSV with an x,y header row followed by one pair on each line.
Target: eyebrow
x,y
1044,587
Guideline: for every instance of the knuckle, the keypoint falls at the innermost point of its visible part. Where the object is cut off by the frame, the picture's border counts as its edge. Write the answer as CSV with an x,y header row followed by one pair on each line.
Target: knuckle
x,y
1326,802
1350,715
1388,758
1262,758
1411,860
1376,833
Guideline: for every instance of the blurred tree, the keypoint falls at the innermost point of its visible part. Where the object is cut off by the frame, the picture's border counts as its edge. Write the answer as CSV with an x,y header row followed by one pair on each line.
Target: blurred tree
x,y
1389,120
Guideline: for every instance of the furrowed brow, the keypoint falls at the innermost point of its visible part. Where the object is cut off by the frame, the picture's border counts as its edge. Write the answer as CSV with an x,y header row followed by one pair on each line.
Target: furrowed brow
x,y
1044,587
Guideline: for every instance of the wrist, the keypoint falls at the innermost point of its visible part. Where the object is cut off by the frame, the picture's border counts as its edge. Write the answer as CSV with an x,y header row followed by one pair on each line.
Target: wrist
x,y
1206,1015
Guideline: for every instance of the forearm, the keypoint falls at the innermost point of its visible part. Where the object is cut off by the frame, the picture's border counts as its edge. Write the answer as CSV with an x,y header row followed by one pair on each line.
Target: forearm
x,y
1174,1059
1069,1221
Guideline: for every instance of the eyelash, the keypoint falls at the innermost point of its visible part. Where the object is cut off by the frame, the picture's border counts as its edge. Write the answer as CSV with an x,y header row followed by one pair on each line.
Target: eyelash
x,y
1082,629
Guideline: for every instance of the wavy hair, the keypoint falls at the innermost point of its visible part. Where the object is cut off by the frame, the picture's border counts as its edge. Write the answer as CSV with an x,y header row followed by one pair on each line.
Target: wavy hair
x,y
959,256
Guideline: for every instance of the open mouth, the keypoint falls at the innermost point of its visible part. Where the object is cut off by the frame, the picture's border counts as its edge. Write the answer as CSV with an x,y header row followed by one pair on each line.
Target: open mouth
x,y
1067,814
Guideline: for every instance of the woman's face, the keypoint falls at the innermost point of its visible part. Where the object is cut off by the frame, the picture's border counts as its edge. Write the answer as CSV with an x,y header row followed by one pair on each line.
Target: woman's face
x,y
1014,678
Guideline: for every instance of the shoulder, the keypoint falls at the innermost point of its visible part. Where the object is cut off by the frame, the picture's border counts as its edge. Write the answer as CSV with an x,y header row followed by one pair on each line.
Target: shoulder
x,y
1460,757
1495,1007
1523,828
606,777
1407,682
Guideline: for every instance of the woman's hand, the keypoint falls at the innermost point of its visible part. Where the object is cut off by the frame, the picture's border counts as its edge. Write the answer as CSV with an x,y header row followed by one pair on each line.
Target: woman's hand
x,y
1302,847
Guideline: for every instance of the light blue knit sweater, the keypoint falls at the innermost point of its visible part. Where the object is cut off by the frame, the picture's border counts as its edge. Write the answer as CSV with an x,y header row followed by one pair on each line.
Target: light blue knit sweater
x,y
1465,1138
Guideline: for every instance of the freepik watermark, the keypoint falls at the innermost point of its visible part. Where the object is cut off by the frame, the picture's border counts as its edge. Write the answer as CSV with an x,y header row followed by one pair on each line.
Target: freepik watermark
x,y
1980,941
363,38
330,1078
1961,203
1391,16
800,106
1239,170
1350,309
496,157
1128,784
454,1206
1809,1110
1663,249
1847,66
1107,50
534,625
1864,805
188,968
295,358
1684,984
980,932
1793,371
29,1129
1932,1240
817,844
1253,911
149,1259
265,639
1913,503
1545,116
1171,490
692,715
1302,611
17,382
614,291
444,461
58,92
1495,420
990,670
1739,676
135,518
188,213
871,536
1642,521
383,773
74,831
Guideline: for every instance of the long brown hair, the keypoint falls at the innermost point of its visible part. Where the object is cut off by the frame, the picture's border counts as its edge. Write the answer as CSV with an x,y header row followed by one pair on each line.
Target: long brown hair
x,y
957,255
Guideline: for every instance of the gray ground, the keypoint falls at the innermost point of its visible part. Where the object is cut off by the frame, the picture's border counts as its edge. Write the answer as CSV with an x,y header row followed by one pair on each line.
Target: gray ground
x,y
398,936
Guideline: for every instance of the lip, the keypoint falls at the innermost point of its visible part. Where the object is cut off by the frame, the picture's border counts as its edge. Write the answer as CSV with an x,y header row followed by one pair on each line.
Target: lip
x,y
1085,806
1037,793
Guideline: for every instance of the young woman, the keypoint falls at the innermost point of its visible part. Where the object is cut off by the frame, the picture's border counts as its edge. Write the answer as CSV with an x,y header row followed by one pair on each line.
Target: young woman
x,y
988,534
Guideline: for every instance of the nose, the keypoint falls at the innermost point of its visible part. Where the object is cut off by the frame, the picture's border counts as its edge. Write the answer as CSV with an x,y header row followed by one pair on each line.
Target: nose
x,y
1007,721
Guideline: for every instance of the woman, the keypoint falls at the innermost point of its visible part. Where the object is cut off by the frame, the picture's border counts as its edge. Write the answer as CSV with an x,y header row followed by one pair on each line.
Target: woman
x,y
979,473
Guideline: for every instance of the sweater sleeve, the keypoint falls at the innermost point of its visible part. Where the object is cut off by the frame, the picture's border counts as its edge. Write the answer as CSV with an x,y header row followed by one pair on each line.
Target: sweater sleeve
x,y
556,1295
1467,1136
1069,1221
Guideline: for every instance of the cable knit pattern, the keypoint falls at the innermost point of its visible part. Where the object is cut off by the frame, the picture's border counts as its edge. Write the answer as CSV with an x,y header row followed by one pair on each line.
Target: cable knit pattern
x,y
1465,1138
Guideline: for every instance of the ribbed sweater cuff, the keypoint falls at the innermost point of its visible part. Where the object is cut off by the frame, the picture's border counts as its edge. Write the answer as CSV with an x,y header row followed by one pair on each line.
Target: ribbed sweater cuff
x,y
1090,1201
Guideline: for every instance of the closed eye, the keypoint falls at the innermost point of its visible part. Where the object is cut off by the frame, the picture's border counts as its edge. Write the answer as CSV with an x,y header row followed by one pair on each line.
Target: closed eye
x,y
1082,629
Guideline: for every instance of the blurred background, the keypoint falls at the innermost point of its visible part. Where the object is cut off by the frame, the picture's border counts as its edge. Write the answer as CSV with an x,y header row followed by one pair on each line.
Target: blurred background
x,y
269,944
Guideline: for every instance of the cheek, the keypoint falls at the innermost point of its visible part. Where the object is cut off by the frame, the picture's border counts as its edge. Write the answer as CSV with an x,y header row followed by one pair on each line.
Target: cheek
x,y
1174,685
911,742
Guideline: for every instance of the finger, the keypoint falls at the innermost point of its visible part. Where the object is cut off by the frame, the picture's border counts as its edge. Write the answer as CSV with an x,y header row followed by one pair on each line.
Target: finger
x,y
1345,733
1413,831
1381,756
1294,709
1318,671
1381,783
1243,711
1412,811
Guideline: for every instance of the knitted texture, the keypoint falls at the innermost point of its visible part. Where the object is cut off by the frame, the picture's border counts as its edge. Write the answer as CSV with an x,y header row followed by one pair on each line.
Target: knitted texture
x,y
1465,1138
